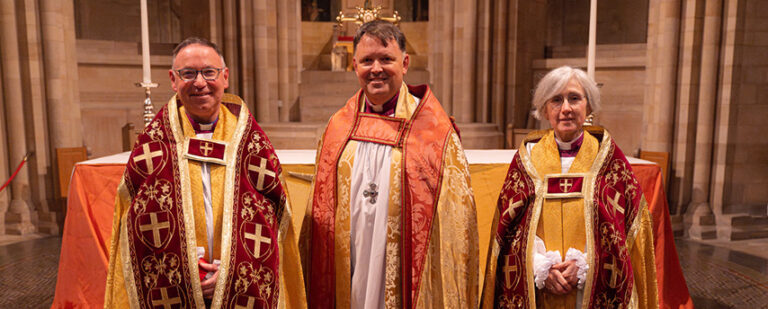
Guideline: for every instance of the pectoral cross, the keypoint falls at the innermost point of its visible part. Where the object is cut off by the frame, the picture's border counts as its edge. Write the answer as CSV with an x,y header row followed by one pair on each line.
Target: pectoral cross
x,y
372,193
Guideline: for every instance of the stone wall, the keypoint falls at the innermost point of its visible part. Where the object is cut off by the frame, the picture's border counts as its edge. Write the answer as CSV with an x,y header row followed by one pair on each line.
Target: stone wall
x,y
109,98
170,21
749,110
619,22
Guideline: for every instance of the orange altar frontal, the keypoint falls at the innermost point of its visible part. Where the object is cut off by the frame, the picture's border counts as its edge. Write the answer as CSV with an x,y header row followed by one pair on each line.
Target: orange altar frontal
x,y
85,241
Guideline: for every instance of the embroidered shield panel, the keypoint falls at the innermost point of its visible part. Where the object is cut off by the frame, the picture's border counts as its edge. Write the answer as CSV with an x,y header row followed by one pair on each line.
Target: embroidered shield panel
x,y
154,221
515,211
616,204
253,277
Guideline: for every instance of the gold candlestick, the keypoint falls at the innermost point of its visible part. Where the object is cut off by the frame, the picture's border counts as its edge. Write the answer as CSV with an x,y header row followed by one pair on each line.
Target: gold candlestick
x,y
149,110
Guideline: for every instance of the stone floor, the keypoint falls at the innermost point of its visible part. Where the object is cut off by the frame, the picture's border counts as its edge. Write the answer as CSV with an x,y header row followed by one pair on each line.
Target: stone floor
x,y
719,274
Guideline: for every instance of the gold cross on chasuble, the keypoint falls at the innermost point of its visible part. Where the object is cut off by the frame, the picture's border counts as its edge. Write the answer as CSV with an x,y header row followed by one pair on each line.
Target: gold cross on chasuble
x,y
250,304
614,270
258,239
155,226
147,156
508,270
262,171
165,301
206,148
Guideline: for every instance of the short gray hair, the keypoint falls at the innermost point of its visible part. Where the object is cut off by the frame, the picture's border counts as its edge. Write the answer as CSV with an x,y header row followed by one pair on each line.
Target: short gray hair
x,y
555,81
197,41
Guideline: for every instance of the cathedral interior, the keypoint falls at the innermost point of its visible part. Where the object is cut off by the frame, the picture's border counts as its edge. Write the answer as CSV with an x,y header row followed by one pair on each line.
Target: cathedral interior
x,y
683,84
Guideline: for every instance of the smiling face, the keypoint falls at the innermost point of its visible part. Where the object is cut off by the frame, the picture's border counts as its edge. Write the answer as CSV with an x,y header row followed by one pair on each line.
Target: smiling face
x,y
200,97
380,69
567,110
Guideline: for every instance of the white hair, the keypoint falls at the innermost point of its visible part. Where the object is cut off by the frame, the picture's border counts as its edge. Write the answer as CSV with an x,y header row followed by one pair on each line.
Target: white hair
x,y
555,81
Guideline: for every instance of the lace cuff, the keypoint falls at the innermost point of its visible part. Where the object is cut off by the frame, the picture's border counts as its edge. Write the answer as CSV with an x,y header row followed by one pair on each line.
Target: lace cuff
x,y
581,262
542,264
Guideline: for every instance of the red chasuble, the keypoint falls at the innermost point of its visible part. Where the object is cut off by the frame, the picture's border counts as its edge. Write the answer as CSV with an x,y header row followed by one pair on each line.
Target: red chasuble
x,y
423,140
157,232
617,226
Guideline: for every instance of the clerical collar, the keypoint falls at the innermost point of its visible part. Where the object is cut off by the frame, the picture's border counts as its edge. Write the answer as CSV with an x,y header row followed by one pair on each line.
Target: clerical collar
x,y
202,127
385,109
569,149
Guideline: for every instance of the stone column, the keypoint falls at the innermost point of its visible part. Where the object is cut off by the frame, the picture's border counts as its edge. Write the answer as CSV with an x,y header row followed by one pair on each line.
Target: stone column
x,y
61,81
729,67
441,51
261,43
288,37
32,70
465,51
62,94
452,54
4,172
661,74
19,214
705,125
500,57
260,16
229,44
684,146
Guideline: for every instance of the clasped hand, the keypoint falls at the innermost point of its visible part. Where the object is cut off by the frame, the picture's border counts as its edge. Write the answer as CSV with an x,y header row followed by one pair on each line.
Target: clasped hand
x,y
562,278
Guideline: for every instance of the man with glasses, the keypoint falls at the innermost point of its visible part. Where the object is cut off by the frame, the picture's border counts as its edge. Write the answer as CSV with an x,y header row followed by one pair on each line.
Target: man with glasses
x,y
201,216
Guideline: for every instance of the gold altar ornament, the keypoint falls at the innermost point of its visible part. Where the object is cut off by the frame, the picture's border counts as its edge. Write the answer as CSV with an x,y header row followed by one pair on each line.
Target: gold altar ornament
x,y
366,14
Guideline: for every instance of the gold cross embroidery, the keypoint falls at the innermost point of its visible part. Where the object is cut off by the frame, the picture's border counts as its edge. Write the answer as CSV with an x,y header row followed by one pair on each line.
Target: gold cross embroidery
x,y
249,305
508,270
566,184
261,169
258,239
615,202
155,227
511,209
614,273
165,301
205,147
147,156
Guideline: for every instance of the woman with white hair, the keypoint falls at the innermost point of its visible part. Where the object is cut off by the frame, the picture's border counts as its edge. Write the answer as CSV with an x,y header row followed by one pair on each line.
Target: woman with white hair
x,y
572,228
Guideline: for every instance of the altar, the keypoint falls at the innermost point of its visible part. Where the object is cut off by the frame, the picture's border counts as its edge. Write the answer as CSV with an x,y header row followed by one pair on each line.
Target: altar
x,y
87,229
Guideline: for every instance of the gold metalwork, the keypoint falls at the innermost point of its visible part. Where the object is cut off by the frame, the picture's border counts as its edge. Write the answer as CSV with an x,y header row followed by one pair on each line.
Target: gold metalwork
x,y
149,112
366,14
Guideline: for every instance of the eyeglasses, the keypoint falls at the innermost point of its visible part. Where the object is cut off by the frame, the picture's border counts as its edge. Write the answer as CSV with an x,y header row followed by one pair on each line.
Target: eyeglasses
x,y
573,99
208,74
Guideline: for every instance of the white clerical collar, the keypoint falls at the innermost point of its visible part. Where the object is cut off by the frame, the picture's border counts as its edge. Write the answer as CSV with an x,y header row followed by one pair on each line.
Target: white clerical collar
x,y
207,126
567,145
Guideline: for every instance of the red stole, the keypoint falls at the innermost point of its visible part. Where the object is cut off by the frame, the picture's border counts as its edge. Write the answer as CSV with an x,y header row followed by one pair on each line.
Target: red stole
x,y
423,139
159,225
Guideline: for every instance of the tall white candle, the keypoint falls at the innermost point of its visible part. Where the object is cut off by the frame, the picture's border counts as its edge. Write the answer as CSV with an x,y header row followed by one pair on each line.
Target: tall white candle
x,y
145,44
592,39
